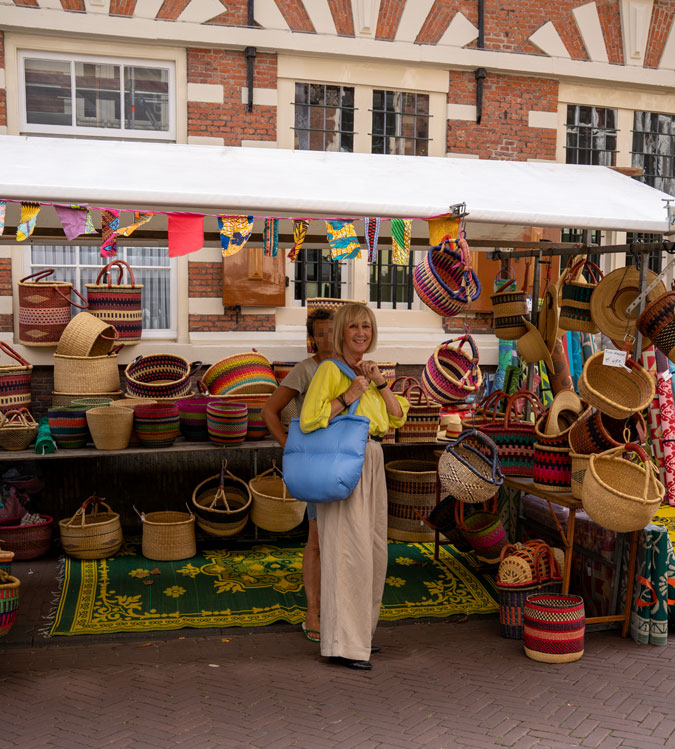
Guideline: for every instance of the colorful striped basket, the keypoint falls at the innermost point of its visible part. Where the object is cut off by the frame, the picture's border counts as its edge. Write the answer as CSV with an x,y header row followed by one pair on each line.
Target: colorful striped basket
x,y
160,376
68,426
222,503
9,603
512,600
411,492
596,432
554,628
227,422
658,323
118,304
14,381
449,375
192,414
484,530
445,282
575,306
281,369
552,468
156,424
423,417
256,428
248,372
509,305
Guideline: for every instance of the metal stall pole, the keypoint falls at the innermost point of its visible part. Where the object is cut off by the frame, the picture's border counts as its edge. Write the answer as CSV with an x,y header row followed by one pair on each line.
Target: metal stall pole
x,y
534,318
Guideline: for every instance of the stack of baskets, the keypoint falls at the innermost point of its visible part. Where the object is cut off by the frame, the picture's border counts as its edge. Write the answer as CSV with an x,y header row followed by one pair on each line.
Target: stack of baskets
x,y
85,362
9,601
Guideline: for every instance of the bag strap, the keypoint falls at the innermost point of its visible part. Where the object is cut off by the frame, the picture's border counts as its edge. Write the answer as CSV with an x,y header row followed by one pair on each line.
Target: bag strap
x,y
4,346
497,478
39,275
121,265
527,395
491,506
349,372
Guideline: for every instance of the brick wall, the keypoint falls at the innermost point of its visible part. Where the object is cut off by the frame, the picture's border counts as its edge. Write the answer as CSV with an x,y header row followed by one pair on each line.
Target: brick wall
x,y
388,19
171,9
503,132
341,11
230,320
440,16
296,16
610,22
75,5
122,7
662,19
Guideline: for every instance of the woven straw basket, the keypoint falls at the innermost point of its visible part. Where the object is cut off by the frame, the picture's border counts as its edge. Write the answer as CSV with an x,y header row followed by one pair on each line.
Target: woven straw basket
x,y
17,430
168,536
118,304
86,335
579,467
554,627
613,390
67,399
468,474
273,508
15,381
222,503
86,374
27,541
620,495
110,427
411,489
94,536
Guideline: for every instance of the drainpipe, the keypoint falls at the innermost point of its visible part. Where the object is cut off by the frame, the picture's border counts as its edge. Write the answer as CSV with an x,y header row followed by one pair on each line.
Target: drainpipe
x,y
250,53
480,73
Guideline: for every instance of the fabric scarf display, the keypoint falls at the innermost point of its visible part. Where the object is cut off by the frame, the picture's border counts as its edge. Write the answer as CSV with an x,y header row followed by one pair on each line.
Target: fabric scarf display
x,y
401,231
664,390
186,233
342,240
139,220
300,227
587,346
29,213
372,227
110,223
234,233
3,210
75,220
442,227
648,361
271,237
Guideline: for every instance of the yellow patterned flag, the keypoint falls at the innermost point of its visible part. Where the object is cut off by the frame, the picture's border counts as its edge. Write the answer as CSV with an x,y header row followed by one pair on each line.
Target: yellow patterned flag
x,y
442,227
300,227
401,230
29,212
342,240
234,233
139,220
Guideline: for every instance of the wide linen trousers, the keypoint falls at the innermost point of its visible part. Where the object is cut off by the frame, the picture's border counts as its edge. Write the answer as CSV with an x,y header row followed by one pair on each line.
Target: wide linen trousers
x,y
353,542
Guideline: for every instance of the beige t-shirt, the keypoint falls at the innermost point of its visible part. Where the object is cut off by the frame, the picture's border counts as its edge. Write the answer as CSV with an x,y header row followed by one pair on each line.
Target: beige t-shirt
x,y
298,379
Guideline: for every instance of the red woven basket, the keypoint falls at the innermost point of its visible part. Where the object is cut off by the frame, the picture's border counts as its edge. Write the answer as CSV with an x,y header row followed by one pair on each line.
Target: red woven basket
x,y
554,627
27,541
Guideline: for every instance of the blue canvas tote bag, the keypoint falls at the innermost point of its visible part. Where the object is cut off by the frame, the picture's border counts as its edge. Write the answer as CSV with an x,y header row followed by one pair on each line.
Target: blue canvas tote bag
x,y
325,465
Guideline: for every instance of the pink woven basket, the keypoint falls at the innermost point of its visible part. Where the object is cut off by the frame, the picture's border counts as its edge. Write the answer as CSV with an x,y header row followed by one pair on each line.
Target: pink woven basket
x,y
450,375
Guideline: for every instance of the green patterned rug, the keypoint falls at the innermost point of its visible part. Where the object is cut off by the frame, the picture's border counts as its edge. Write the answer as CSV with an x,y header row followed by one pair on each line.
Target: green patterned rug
x,y
251,587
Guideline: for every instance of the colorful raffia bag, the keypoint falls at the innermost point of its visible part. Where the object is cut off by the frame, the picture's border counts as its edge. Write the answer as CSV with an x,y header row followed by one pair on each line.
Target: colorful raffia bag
x,y
120,305
451,375
554,627
424,416
14,381
552,468
657,322
509,305
467,473
484,530
596,432
247,372
575,308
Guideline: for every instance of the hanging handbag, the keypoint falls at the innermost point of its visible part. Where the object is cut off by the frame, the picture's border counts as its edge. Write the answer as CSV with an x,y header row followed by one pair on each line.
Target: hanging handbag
x,y
118,304
325,465
509,305
575,307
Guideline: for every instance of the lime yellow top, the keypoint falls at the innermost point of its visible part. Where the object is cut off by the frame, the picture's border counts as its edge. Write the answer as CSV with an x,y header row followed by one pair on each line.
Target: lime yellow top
x,y
327,384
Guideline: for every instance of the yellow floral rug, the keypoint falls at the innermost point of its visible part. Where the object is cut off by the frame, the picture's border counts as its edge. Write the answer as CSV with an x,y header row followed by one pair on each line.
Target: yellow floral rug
x,y
251,587
666,516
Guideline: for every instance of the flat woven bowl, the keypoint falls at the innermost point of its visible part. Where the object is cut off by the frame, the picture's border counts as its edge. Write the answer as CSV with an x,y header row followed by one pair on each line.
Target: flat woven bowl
x,y
247,372
66,399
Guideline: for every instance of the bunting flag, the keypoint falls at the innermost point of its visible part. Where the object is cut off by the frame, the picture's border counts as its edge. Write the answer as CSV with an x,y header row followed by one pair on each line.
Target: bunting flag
x,y
271,237
442,227
372,227
234,233
110,223
342,240
186,233
401,230
300,227
89,227
29,212
73,220
3,209
139,220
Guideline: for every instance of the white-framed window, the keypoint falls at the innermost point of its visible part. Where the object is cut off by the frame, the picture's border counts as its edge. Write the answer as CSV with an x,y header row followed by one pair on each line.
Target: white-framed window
x,y
151,266
95,96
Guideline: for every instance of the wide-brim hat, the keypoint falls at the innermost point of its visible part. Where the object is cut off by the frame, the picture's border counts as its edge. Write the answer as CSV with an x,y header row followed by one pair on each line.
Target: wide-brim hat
x,y
611,297
565,402
532,347
549,316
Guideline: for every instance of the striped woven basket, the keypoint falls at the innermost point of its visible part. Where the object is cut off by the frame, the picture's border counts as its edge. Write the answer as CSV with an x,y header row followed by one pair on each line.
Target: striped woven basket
x,y
658,323
27,541
160,376
248,372
9,603
424,414
227,422
575,308
14,381
552,468
512,605
596,432
68,426
411,492
192,415
118,304
156,424
450,375
509,305
554,628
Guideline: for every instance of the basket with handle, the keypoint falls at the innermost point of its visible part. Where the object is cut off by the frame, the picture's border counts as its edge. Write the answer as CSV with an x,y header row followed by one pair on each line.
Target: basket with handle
x,y
87,374
554,627
657,323
484,530
97,535
579,467
450,375
411,492
222,503
86,335
398,386
621,495
119,304
160,376
273,509
596,432
17,430
445,281
9,601
168,535
509,305
423,417
614,390
14,381
44,308
575,307
467,473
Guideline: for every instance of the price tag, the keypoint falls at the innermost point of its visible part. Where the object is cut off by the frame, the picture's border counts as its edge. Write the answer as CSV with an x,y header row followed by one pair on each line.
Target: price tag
x,y
614,358
529,304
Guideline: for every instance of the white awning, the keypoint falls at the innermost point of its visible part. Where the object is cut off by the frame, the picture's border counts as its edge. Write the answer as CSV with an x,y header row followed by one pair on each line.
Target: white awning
x,y
276,182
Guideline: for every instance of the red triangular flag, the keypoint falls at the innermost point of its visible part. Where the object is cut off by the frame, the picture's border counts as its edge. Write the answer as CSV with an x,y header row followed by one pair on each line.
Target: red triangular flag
x,y
186,233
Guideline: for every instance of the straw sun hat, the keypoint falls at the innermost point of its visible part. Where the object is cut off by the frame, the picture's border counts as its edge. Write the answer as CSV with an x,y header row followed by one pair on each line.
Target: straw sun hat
x,y
533,348
566,406
611,297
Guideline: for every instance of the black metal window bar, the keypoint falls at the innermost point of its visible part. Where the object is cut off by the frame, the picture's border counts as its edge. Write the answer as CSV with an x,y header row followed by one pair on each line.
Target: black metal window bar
x,y
654,149
324,117
655,257
316,274
391,284
400,123
591,135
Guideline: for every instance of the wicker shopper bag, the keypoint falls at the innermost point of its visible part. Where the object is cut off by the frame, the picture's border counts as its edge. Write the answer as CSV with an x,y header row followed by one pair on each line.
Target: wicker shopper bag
x,y
273,508
17,430
27,541
15,381
509,305
552,468
575,308
44,308
620,495
614,390
168,536
467,473
96,535
118,304
484,530
596,432
424,415
451,375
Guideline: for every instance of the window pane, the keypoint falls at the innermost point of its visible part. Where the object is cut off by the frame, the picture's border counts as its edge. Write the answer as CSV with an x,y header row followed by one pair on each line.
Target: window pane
x,y
324,117
146,98
403,119
97,95
48,92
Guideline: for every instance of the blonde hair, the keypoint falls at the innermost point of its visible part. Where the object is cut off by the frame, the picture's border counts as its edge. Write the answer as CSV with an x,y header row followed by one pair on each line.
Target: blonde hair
x,y
348,314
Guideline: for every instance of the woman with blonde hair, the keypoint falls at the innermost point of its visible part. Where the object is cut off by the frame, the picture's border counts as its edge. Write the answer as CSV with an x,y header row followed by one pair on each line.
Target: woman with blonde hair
x,y
353,532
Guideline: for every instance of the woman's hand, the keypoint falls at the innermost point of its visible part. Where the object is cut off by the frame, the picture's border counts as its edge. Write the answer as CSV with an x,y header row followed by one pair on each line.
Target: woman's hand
x,y
371,372
356,389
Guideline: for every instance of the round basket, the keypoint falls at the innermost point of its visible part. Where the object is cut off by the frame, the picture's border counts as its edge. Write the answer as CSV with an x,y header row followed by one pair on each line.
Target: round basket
x,y
156,424
227,422
256,428
94,536
87,335
27,541
281,369
579,467
450,375
596,432
18,430
168,536
273,508
613,390
411,485
553,628
657,322
467,473
192,416
86,374
9,604
618,494
110,427
576,292
160,376
222,504
248,372
509,305
512,605
68,426
6,558
75,399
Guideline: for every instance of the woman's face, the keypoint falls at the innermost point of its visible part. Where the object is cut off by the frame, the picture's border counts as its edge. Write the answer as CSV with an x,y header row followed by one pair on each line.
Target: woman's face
x,y
356,337
323,338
